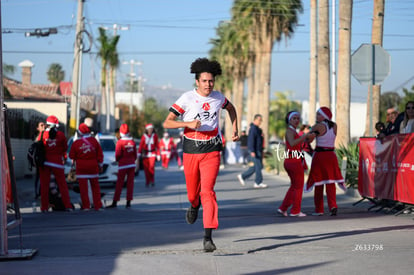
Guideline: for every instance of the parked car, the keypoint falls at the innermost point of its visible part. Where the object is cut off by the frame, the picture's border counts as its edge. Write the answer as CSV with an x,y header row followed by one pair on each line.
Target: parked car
x,y
110,166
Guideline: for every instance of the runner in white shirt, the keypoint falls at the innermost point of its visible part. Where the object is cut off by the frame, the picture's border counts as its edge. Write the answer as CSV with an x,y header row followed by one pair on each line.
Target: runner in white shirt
x,y
199,111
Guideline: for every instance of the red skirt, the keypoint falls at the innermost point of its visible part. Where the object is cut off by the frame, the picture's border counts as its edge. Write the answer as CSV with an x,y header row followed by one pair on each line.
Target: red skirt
x,y
324,170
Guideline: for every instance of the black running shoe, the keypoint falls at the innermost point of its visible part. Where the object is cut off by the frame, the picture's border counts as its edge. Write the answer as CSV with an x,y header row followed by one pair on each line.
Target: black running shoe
x,y
334,210
209,246
192,214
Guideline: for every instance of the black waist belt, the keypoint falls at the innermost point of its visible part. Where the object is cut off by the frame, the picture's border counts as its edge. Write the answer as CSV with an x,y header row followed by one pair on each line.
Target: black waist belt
x,y
323,149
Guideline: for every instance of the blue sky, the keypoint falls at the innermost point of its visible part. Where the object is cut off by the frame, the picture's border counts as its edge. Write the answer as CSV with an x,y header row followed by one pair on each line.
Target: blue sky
x,y
167,35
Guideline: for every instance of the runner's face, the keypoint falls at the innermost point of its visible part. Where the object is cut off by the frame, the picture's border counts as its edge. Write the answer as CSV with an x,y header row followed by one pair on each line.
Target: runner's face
x,y
205,84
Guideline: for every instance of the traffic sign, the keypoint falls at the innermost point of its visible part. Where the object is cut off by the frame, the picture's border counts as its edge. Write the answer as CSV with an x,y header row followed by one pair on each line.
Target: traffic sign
x,y
370,64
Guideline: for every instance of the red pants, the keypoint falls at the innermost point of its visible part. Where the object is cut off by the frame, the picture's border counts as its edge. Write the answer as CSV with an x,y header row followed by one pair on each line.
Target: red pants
x,y
330,194
201,172
293,197
59,173
129,172
96,193
165,161
149,169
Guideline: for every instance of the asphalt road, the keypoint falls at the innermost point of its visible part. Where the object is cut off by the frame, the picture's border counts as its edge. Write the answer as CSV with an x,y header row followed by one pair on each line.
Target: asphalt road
x,y
153,238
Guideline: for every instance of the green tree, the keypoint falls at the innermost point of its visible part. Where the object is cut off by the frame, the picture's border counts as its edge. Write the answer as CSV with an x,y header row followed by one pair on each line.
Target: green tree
x,y
269,21
279,107
8,69
231,50
55,73
155,114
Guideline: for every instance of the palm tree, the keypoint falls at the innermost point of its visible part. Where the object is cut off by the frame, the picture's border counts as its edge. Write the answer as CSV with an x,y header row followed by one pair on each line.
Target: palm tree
x,y
55,73
113,65
108,55
269,21
8,69
323,54
344,72
230,50
376,38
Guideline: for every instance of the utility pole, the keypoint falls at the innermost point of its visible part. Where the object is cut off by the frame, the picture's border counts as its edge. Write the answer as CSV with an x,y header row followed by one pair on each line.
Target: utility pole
x,y
333,61
76,75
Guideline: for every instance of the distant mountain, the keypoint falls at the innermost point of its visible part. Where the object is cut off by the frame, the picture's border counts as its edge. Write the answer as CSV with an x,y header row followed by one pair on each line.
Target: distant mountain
x,y
165,95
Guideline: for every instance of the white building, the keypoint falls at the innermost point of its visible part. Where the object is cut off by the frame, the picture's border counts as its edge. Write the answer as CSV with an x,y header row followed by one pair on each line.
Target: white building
x,y
128,98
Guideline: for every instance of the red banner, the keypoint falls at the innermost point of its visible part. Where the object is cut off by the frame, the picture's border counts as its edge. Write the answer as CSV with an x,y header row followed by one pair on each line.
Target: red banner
x,y
6,173
386,168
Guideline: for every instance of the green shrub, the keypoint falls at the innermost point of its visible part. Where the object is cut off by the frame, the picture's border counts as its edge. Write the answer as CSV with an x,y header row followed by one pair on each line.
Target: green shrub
x,y
351,153
273,159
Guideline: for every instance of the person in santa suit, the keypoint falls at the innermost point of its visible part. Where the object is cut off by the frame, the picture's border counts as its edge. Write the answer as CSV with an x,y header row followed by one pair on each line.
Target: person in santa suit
x,y
295,166
324,169
149,152
125,155
167,148
87,154
55,156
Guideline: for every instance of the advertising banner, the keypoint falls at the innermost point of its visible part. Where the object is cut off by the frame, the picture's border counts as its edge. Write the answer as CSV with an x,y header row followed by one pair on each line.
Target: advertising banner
x,y
386,168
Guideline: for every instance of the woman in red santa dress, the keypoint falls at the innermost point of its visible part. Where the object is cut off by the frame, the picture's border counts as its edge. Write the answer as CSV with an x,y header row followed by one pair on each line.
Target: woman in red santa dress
x,y
55,157
295,166
167,147
325,169
149,152
125,155
87,154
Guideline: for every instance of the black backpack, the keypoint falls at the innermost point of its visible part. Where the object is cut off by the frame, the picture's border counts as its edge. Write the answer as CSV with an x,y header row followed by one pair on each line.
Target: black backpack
x,y
36,154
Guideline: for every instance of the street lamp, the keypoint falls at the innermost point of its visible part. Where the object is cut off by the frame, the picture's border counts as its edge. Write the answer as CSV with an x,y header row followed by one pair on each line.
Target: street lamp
x,y
132,62
41,33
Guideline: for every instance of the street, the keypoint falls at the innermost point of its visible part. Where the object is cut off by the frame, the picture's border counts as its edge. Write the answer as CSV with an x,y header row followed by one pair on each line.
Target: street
x,y
153,237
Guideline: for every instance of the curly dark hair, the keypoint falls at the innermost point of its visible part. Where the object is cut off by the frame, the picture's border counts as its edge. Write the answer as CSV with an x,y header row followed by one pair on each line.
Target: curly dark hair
x,y
203,65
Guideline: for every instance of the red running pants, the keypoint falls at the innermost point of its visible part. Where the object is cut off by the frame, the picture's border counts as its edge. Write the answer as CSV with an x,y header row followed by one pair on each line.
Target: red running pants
x,y
293,196
59,173
149,169
330,194
130,173
96,193
201,172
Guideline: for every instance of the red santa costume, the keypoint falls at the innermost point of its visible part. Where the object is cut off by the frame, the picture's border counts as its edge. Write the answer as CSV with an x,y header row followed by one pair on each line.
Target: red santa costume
x,y
125,155
167,147
55,153
325,169
149,151
87,153
295,166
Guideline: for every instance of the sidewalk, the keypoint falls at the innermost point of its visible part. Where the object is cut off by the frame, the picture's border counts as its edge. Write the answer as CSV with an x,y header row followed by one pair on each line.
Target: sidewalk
x,y
153,237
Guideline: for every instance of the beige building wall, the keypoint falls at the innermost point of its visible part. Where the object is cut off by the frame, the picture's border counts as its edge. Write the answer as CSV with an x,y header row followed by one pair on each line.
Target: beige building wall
x,y
20,146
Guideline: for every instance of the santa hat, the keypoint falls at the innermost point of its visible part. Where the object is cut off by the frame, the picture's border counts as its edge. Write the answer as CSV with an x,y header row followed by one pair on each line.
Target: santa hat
x,y
149,126
124,130
52,121
83,129
325,112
